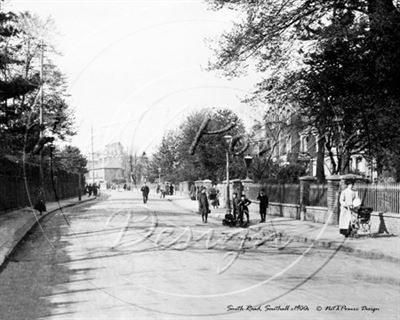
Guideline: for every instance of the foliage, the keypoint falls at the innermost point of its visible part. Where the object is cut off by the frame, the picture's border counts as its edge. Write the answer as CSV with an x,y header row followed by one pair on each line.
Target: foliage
x,y
290,173
69,159
209,160
166,159
264,170
335,61
22,39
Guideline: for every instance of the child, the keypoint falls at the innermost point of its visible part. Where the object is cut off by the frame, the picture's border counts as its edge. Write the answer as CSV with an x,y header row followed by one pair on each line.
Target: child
x,y
243,208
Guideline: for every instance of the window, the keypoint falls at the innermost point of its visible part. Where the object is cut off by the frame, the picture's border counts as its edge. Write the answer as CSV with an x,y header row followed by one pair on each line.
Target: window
x,y
358,162
304,143
288,144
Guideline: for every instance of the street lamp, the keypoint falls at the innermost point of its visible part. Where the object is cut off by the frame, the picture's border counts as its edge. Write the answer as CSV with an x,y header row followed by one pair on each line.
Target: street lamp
x,y
228,140
248,159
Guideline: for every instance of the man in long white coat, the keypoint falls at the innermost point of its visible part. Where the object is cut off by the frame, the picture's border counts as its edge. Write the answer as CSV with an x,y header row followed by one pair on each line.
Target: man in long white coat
x,y
346,200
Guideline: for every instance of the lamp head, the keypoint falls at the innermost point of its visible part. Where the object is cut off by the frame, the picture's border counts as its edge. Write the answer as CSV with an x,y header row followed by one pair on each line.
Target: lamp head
x,y
228,139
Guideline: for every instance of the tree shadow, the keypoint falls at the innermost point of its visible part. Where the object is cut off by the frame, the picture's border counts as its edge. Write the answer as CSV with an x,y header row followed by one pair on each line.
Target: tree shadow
x,y
38,281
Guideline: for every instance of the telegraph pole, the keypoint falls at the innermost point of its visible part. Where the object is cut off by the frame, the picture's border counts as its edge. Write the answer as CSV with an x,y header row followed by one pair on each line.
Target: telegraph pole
x,y
92,158
41,118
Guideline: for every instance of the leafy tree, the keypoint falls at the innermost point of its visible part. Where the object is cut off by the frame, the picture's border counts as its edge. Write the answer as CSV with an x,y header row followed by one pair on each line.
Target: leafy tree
x,y
70,159
166,159
22,39
209,159
347,79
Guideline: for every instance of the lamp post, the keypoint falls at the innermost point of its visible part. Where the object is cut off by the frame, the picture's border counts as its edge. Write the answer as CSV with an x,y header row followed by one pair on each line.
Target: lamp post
x,y
247,160
228,140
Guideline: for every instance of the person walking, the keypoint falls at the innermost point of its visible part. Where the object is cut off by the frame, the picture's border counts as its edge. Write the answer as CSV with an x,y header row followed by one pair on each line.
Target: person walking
x,y
171,189
145,193
204,208
346,200
40,204
244,209
212,195
263,198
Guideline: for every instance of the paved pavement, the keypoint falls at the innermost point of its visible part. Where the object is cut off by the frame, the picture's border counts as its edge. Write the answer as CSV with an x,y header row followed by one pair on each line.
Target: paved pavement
x,y
16,224
376,247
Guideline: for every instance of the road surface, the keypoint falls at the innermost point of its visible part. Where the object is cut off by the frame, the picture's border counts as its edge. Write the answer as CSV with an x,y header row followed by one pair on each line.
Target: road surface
x,y
118,258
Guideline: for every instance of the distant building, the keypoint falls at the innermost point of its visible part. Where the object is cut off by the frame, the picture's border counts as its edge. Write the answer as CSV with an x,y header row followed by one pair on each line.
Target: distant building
x,y
109,165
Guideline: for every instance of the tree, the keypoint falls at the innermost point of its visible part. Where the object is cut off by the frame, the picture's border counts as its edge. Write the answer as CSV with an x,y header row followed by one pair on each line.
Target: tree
x,y
69,159
22,39
208,161
347,83
165,158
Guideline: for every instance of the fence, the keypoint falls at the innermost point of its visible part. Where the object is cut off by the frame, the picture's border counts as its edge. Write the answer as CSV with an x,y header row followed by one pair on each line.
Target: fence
x,y
282,193
381,197
20,188
318,195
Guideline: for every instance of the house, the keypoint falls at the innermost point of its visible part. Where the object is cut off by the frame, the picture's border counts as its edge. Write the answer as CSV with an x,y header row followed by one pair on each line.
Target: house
x,y
285,138
107,166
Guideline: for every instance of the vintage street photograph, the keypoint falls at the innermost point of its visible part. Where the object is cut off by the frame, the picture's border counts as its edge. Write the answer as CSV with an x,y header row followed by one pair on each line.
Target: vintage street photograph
x,y
199,159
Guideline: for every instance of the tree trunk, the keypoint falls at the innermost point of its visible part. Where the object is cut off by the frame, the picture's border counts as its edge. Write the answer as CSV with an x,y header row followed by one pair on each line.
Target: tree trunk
x,y
321,160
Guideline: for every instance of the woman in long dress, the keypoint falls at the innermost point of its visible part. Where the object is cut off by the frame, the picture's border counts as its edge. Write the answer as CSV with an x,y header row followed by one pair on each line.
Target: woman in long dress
x,y
346,200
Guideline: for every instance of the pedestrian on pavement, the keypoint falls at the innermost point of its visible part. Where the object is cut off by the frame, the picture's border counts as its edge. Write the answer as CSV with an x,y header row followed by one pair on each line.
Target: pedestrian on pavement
x,y
162,192
244,209
212,196
95,189
90,190
235,201
145,193
40,205
171,189
263,198
346,200
203,205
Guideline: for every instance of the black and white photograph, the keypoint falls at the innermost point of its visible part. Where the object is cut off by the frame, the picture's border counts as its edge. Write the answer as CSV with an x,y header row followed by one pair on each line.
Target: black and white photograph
x,y
199,159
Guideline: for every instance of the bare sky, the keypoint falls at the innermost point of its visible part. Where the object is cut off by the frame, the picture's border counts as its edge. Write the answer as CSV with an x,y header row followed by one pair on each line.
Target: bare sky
x,y
136,68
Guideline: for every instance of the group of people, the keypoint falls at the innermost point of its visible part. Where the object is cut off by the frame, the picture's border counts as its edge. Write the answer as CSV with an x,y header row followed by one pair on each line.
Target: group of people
x,y
92,189
349,201
240,206
167,190
241,209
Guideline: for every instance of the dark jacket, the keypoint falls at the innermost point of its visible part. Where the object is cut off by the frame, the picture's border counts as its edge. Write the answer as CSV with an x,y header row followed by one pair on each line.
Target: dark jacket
x,y
243,205
145,190
263,201
203,204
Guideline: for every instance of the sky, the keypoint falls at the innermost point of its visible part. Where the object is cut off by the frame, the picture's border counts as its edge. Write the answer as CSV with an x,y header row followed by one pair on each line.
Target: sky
x,y
137,68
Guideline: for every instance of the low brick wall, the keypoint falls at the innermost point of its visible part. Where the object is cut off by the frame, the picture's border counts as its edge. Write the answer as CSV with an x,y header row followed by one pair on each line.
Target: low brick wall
x,y
286,210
